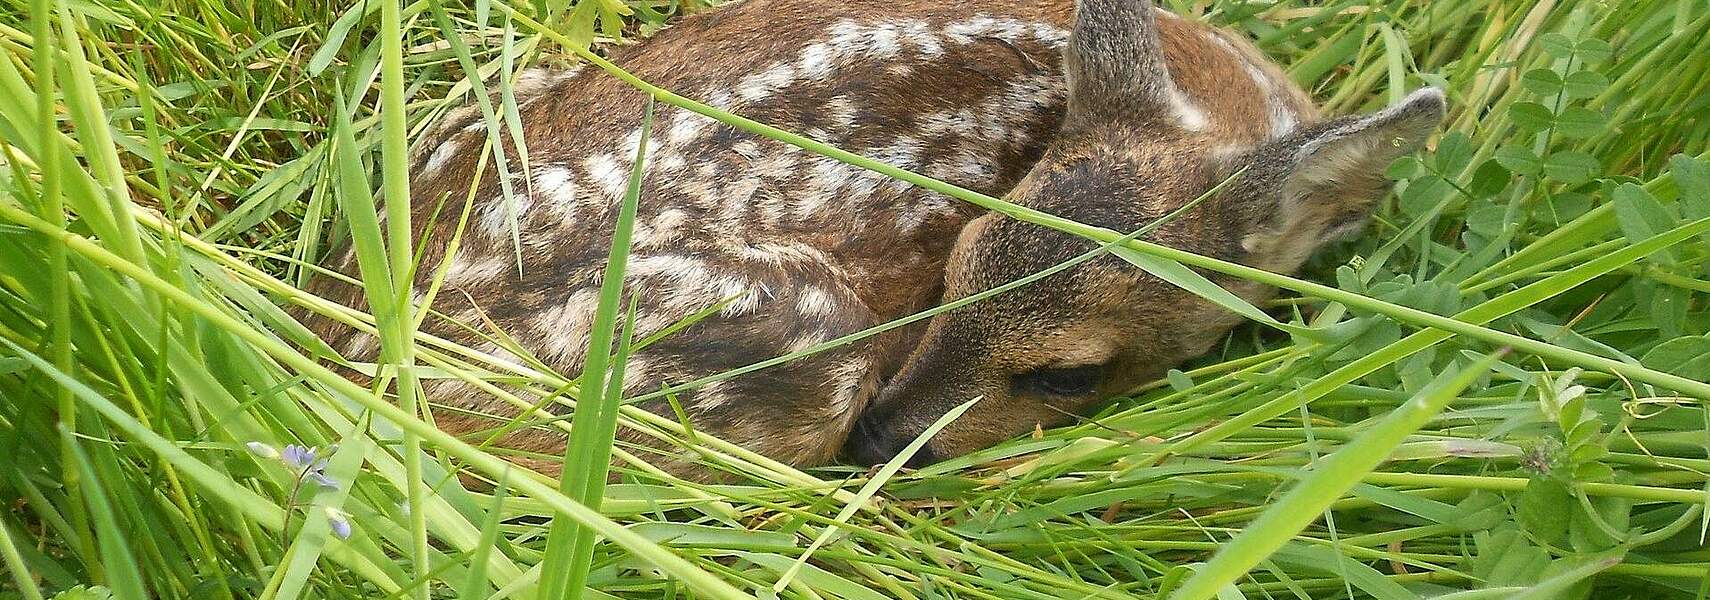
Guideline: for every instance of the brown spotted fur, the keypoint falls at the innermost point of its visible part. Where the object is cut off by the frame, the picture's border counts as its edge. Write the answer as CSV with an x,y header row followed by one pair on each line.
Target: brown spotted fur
x,y
969,92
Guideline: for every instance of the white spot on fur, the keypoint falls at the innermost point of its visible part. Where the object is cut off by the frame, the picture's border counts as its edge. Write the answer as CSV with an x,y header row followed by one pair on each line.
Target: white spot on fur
x,y
814,301
686,129
849,377
607,173
922,36
495,219
568,324
691,283
760,86
557,185
662,229
1187,113
903,152
816,62
1009,30
720,99
710,396
840,111
806,340
361,346
469,271
440,156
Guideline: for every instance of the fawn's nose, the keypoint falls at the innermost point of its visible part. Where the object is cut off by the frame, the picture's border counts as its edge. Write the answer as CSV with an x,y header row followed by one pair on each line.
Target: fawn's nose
x,y
871,443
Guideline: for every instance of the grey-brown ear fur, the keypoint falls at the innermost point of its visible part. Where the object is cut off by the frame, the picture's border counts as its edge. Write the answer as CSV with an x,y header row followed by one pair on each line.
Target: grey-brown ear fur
x,y
1114,61
1325,178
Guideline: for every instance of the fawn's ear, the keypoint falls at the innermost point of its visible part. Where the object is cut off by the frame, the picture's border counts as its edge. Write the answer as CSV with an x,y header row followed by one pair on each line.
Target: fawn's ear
x,y
1114,62
1321,181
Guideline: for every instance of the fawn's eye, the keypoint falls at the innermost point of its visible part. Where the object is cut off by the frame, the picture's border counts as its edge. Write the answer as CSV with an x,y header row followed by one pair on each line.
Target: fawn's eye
x,y
1070,381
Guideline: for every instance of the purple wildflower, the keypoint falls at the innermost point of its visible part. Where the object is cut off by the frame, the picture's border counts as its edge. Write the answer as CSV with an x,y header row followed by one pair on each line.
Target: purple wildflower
x,y
298,457
303,459
339,522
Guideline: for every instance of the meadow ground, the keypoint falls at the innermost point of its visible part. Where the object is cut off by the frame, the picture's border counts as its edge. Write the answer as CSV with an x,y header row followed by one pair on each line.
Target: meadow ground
x,y
1496,392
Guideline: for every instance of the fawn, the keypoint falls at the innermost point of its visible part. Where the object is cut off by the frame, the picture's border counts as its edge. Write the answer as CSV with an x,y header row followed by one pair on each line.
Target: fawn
x,y
1112,113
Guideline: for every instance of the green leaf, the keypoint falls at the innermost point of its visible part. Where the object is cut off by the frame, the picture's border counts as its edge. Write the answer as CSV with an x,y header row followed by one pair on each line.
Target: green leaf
x,y
1505,558
1571,167
1579,122
1542,82
1178,380
1546,507
1593,50
1325,482
1687,356
1181,276
337,33
1693,177
1488,180
1584,84
1531,116
1641,216
1519,160
1453,152
1423,194
1558,45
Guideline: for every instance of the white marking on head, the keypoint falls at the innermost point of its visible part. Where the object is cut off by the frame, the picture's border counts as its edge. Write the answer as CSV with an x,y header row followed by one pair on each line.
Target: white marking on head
x,y
1282,117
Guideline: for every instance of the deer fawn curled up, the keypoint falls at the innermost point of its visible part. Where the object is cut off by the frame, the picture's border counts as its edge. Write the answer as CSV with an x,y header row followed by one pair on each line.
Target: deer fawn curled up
x,y
1111,113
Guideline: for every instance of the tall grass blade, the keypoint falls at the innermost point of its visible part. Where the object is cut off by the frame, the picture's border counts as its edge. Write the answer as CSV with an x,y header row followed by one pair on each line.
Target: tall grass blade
x,y
570,546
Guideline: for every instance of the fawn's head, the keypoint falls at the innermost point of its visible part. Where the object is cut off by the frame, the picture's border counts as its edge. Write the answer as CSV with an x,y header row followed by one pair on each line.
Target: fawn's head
x,y
1125,156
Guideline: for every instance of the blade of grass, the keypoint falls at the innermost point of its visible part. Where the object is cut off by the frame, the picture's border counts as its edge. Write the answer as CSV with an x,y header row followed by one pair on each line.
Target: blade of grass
x,y
872,486
121,565
1329,479
396,340
587,456
704,582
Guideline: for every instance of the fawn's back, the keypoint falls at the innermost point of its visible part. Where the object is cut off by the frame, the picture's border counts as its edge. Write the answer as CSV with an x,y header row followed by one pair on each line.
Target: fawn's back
x,y
800,248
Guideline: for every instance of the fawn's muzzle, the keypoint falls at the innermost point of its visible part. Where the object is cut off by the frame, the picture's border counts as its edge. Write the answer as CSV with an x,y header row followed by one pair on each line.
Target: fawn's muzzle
x,y
872,443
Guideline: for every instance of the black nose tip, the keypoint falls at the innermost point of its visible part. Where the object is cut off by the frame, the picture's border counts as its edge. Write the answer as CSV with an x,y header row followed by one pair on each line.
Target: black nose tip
x,y
867,445
870,443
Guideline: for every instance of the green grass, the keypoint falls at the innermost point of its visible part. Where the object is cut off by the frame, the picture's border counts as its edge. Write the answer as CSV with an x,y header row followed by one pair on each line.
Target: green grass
x,y
1496,392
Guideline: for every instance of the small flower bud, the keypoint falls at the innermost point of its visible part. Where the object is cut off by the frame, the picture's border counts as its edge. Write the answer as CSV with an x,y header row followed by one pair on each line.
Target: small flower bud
x,y
262,450
339,521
